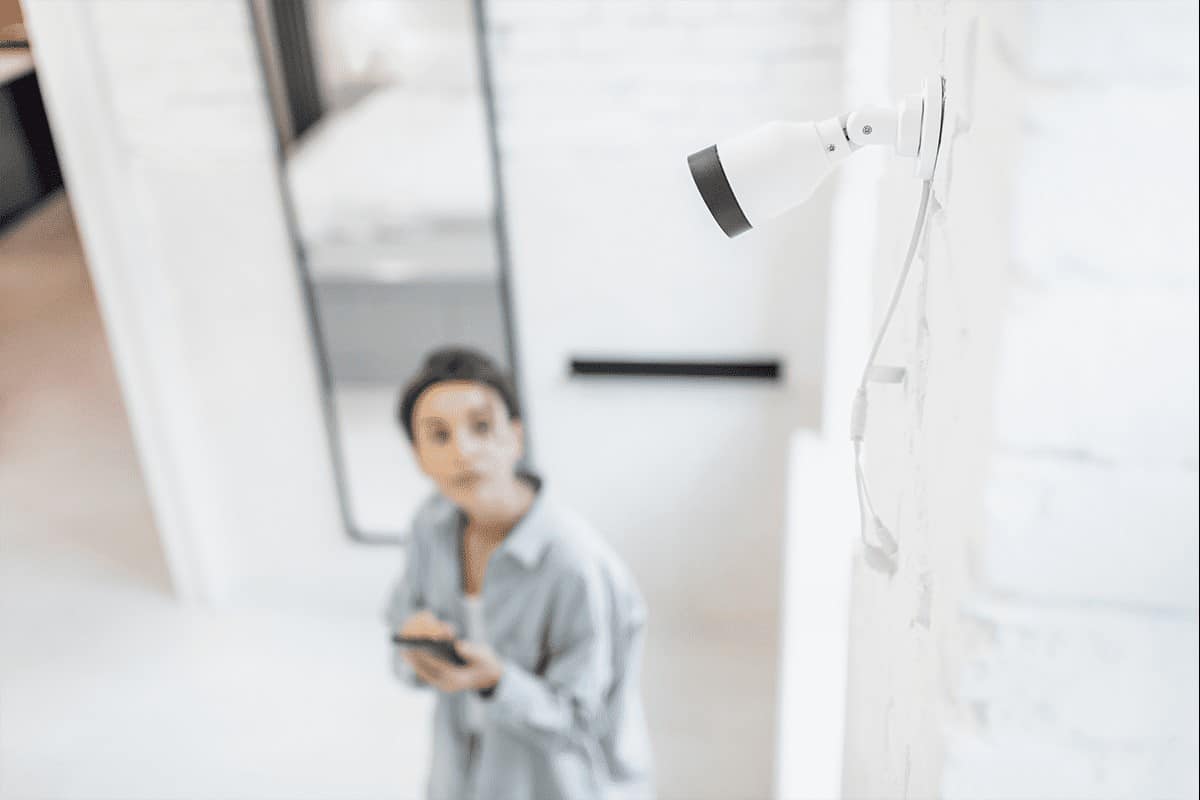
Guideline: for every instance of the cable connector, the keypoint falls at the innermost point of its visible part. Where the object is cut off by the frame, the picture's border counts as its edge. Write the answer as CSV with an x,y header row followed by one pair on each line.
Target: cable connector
x,y
879,561
887,542
858,415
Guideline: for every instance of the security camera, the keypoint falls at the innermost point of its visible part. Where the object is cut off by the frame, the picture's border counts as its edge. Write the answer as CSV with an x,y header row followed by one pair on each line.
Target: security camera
x,y
760,174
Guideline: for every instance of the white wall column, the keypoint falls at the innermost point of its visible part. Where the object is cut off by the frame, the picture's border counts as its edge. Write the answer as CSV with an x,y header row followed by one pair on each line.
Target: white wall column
x,y
161,121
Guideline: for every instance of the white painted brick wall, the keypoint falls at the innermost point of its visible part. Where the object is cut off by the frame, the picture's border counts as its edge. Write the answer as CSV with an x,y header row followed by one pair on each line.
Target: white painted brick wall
x,y
1077,703
1040,637
653,75
1093,492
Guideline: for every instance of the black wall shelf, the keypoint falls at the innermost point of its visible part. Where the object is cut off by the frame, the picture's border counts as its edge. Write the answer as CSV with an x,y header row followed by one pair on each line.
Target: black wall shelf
x,y
758,370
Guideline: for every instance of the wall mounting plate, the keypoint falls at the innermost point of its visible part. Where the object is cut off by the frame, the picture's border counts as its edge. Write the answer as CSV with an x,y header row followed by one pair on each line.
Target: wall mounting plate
x,y
933,110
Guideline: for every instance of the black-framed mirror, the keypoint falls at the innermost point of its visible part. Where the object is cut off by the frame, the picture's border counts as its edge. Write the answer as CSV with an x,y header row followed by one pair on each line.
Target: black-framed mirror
x,y
389,172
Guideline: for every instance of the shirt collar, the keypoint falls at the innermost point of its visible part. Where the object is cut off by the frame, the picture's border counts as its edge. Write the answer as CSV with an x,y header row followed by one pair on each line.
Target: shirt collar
x,y
529,538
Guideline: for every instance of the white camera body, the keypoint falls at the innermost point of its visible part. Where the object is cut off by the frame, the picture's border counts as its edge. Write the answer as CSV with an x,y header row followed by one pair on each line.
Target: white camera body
x,y
756,176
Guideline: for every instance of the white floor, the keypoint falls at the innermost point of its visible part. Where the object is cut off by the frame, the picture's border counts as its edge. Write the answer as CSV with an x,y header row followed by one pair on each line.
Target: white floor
x,y
109,690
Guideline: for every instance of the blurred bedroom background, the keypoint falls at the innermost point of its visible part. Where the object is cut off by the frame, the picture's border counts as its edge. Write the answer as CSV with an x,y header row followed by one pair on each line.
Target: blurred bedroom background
x,y
229,230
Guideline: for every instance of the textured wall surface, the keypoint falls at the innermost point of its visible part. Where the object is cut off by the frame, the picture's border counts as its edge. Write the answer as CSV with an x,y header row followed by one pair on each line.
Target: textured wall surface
x,y
1039,638
1089,685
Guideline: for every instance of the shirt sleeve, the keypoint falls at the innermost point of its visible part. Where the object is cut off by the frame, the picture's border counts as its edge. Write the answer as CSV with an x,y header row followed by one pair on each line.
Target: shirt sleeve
x,y
564,705
406,599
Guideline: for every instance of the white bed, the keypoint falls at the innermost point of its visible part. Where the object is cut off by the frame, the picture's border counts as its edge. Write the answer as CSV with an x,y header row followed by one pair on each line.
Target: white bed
x,y
396,187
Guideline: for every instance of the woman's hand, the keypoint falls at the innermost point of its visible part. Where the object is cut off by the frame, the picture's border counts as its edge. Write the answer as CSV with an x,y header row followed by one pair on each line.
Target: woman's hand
x,y
424,625
481,672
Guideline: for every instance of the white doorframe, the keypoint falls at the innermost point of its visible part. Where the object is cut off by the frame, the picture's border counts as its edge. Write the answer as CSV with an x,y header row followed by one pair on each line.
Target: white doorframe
x,y
187,245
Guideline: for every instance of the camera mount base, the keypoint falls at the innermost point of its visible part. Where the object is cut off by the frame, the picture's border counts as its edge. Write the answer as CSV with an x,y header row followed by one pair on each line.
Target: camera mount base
x,y
913,127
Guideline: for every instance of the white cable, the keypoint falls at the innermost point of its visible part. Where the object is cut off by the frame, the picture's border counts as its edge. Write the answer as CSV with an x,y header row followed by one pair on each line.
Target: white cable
x,y
881,555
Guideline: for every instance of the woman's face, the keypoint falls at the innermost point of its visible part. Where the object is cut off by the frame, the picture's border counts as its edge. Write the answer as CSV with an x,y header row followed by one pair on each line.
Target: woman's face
x,y
466,443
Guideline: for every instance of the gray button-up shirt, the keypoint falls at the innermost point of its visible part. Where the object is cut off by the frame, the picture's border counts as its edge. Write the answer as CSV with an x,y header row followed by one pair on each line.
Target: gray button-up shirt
x,y
567,620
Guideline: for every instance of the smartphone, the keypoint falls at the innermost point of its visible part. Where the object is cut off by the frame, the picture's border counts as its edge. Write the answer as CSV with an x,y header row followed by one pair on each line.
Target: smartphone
x,y
440,648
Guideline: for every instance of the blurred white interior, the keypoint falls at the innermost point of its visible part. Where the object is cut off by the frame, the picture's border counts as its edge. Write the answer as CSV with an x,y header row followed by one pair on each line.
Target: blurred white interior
x,y
183,612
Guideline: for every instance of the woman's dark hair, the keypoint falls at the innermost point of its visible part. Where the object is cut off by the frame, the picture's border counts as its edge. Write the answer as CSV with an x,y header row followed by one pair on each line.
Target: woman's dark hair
x,y
455,364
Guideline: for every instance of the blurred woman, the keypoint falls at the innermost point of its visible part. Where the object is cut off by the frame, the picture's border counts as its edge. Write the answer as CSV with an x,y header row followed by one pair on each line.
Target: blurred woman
x,y
547,620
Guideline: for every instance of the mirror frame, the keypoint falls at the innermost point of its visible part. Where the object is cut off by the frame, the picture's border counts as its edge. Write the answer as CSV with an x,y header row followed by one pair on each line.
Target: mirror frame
x,y
260,14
